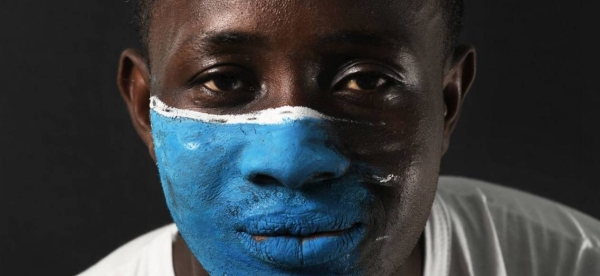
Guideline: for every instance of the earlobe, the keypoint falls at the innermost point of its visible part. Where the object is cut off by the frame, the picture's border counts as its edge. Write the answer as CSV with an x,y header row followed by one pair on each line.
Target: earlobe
x,y
457,83
133,80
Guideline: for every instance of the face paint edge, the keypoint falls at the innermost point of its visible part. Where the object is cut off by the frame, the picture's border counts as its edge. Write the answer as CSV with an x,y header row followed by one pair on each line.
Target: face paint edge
x,y
263,117
268,116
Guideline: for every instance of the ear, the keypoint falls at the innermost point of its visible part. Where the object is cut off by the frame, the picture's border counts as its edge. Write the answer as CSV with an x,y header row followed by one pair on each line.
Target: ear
x,y
133,80
457,82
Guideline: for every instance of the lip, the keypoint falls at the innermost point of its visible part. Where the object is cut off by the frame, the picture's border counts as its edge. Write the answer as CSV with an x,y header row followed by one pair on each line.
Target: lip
x,y
299,224
259,238
300,241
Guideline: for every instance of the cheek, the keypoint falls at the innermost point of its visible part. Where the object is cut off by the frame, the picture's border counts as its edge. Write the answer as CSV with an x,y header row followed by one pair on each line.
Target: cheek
x,y
409,133
407,153
192,159
400,209
195,165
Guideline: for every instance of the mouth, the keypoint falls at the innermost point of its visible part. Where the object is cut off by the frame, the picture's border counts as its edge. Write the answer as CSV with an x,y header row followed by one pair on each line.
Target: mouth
x,y
296,242
303,238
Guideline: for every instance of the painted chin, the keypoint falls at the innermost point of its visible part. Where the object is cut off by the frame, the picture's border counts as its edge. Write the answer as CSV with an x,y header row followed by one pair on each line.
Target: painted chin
x,y
296,250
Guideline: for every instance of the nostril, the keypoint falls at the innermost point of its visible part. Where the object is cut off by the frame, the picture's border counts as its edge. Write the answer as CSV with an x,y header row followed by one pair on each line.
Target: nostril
x,y
260,178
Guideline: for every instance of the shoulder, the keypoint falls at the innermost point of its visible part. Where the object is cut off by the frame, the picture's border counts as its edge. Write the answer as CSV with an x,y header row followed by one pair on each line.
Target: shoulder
x,y
464,194
149,254
521,233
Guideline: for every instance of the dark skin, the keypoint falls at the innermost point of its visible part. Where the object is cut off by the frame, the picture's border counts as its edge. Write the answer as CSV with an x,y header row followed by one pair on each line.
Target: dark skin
x,y
377,62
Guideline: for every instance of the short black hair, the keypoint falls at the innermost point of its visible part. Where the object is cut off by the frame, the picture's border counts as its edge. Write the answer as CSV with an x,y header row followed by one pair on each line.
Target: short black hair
x,y
142,11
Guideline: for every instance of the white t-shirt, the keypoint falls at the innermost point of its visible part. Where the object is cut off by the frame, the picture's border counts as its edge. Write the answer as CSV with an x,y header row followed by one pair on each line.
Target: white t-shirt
x,y
475,229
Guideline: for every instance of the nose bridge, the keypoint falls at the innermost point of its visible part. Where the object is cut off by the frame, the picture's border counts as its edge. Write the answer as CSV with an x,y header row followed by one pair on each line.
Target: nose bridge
x,y
293,85
292,154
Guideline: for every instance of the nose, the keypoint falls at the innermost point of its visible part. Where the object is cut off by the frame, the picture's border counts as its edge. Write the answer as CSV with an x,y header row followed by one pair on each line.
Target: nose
x,y
292,155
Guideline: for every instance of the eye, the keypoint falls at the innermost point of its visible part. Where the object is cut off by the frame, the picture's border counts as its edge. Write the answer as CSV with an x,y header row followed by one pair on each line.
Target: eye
x,y
365,82
224,83
370,84
223,86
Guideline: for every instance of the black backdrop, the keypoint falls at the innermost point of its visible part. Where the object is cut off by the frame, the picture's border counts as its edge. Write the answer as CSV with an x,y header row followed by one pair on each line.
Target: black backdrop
x,y
76,182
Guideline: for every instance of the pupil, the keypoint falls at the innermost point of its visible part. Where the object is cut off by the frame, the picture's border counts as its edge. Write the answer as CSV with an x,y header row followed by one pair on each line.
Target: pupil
x,y
367,82
226,83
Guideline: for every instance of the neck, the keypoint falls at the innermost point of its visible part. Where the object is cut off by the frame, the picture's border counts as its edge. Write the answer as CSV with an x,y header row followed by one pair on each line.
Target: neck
x,y
184,262
413,266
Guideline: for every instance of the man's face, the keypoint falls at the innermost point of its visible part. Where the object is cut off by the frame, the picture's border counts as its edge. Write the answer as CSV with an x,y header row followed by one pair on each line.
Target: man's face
x,y
299,137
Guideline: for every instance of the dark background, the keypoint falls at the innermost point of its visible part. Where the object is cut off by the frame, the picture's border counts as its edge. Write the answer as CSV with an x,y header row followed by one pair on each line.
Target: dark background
x,y
76,182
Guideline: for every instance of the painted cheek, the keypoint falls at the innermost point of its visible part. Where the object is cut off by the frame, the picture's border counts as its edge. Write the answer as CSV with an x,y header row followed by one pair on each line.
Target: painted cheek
x,y
193,159
196,162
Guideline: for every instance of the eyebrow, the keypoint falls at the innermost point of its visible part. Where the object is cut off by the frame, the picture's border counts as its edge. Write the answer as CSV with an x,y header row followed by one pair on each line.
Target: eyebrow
x,y
232,38
210,40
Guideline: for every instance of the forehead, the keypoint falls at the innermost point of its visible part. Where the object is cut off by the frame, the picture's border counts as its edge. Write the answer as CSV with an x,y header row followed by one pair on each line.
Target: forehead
x,y
316,13
409,24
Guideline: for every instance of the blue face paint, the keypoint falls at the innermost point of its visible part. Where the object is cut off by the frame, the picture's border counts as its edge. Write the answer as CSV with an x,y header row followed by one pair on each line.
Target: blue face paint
x,y
260,194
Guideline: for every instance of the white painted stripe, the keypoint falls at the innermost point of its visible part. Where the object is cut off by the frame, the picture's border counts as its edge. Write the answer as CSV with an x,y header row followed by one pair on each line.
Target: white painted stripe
x,y
262,117
382,238
386,179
